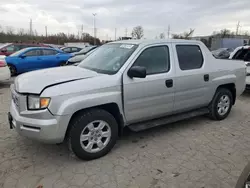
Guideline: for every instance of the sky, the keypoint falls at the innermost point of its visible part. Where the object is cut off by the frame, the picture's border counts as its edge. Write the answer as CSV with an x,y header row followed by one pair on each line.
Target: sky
x,y
70,16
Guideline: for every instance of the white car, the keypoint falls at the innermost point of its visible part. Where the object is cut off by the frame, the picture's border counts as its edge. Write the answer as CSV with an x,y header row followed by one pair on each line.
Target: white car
x,y
243,53
4,70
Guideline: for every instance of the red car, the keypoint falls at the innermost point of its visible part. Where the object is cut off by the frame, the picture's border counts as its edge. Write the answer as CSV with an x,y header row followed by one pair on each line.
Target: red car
x,y
10,48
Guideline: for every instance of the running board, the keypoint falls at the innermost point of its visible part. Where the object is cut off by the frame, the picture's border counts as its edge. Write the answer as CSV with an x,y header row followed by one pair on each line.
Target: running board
x,y
167,120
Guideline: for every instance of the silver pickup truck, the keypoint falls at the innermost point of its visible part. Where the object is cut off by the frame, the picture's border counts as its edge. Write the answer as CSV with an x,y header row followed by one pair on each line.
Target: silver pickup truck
x,y
139,84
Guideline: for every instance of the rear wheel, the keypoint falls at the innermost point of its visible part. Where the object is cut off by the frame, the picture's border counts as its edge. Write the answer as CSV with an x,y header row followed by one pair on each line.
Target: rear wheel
x,y
13,71
221,104
93,134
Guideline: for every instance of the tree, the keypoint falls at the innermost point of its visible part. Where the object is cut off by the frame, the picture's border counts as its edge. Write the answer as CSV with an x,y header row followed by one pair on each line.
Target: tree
x,y
185,35
137,32
224,33
162,36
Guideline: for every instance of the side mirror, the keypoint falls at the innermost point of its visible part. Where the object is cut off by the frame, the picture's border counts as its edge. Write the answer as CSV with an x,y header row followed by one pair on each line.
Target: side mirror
x,y
22,56
137,72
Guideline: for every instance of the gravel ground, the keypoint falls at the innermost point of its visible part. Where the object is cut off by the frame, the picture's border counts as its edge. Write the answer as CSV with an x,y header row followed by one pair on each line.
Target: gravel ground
x,y
196,153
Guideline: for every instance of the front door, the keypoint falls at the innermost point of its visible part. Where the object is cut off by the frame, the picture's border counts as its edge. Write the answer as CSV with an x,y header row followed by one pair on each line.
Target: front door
x,y
153,96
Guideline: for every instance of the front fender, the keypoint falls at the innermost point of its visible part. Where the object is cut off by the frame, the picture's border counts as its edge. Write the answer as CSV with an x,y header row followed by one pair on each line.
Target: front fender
x,y
75,103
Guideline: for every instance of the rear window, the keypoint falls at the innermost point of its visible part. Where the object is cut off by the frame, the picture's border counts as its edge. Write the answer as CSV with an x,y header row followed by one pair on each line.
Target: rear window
x,y
189,56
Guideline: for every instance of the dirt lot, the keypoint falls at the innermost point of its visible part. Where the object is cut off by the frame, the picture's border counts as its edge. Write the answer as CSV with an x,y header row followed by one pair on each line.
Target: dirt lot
x,y
195,153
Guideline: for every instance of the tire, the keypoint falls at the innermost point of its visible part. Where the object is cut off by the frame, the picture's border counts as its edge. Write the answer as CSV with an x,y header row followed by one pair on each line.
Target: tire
x,y
244,177
214,106
13,70
63,64
80,126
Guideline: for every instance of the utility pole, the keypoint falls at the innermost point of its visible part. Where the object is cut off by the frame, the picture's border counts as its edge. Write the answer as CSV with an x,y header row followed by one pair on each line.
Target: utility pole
x,y
168,31
94,14
31,27
115,33
81,31
237,28
126,32
46,31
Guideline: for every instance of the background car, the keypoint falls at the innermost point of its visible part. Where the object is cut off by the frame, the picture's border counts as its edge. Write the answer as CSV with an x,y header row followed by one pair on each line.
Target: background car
x,y
241,53
78,57
10,48
85,50
4,70
222,53
71,49
35,58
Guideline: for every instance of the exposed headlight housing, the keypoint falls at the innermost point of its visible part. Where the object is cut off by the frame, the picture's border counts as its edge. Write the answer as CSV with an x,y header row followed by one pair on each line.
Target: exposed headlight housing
x,y
37,103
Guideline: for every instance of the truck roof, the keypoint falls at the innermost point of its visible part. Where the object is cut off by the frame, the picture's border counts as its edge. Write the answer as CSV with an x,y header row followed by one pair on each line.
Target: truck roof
x,y
155,41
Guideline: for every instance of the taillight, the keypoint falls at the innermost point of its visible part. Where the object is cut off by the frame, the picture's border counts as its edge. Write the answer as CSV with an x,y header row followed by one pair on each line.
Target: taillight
x,y
3,63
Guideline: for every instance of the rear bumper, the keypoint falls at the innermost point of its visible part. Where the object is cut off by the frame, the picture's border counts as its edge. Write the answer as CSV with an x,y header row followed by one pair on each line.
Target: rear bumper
x,y
4,73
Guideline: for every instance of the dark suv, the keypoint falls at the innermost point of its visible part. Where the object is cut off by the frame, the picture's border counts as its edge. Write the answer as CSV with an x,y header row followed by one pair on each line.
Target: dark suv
x,y
10,48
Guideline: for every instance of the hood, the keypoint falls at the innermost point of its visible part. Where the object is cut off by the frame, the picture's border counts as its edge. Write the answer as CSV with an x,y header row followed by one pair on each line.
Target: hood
x,y
34,82
77,58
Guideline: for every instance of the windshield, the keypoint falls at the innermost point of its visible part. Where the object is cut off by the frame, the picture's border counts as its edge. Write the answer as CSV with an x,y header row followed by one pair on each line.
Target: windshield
x,y
18,52
109,58
86,50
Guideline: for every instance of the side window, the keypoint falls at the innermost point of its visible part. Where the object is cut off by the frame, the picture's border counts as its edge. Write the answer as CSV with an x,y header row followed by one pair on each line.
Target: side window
x,y
154,59
33,53
67,50
17,47
189,56
49,52
10,48
74,49
240,54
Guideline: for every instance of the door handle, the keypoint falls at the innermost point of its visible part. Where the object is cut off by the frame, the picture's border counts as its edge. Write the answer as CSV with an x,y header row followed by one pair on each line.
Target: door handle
x,y
206,77
169,83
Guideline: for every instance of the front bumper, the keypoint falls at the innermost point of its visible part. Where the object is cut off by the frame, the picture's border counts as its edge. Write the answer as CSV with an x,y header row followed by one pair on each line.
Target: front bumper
x,y
44,130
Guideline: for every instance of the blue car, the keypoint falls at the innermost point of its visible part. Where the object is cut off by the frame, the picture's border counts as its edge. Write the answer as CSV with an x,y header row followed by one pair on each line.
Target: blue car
x,y
35,58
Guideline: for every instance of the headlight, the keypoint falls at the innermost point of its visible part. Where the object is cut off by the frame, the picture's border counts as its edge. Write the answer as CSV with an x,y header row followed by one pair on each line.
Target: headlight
x,y
37,103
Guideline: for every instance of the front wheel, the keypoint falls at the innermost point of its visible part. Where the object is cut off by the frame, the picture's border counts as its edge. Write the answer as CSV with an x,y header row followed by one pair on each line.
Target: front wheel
x,y
93,134
221,104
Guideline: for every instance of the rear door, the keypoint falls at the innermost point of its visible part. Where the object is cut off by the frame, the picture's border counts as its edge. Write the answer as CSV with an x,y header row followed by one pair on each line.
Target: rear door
x,y
31,61
49,58
192,78
153,96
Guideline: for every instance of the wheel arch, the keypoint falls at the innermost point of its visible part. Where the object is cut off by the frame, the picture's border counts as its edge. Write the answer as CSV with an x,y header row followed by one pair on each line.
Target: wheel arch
x,y
231,87
112,108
